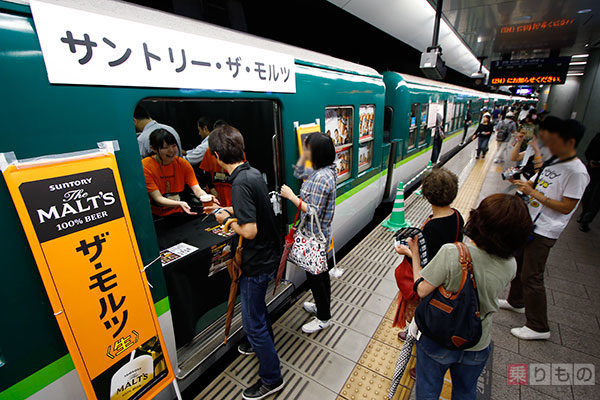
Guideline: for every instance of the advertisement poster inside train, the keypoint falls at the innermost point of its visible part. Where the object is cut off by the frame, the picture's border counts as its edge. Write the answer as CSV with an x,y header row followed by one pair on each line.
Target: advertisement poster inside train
x,y
338,124
366,116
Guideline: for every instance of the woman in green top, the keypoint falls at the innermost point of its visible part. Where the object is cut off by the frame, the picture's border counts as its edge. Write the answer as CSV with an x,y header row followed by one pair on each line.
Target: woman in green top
x,y
498,228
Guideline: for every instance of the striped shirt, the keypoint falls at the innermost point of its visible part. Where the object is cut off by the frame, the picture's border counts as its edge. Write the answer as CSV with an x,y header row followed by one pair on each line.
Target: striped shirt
x,y
319,192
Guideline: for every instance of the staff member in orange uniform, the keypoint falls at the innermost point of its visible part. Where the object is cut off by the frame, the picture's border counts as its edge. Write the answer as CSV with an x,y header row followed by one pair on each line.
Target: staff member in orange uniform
x,y
167,174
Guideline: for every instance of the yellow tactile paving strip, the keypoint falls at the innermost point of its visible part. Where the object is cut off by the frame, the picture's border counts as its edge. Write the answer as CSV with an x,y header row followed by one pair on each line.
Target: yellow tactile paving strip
x,y
372,376
469,190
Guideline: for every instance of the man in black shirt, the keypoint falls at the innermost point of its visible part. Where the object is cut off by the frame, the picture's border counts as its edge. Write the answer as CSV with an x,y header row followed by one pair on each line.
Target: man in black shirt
x,y
260,257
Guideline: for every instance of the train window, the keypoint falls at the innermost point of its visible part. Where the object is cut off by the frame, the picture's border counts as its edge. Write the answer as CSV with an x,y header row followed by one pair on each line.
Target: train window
x,y
423,131
365,155
413,129
339,126
366,117
388,115
366,121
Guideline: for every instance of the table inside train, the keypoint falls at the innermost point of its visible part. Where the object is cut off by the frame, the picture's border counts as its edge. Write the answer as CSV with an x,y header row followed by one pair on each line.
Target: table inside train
x,y
197,279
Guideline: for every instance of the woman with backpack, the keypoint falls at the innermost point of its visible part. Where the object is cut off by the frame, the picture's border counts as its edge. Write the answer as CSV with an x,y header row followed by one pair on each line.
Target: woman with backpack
x,y
498,228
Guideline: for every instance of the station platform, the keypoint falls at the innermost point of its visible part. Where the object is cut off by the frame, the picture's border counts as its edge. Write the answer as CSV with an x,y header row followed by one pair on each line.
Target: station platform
x,y
355,357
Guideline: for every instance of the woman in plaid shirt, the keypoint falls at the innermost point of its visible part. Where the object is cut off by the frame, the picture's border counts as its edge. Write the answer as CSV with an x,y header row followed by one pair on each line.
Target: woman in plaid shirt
x,y
318,195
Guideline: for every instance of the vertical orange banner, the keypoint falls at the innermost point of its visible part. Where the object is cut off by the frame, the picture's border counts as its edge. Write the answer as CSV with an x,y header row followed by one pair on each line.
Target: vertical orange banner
x,y
74,214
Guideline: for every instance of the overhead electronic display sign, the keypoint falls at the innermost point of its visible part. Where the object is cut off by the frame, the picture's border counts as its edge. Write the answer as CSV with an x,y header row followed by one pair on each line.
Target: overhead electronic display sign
x,y
526,91
533,71
549,33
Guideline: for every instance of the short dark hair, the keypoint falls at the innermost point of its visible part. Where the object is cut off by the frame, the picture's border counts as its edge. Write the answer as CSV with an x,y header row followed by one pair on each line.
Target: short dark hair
x,y
500,225
140,112
552,124
160,136
203,121
228,143
219,122
572,129
322,149
440,187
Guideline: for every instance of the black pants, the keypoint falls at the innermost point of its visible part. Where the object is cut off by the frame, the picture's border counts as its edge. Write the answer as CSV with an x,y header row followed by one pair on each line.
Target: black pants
x,y
465,133
590,202
437,149
321,290
527,289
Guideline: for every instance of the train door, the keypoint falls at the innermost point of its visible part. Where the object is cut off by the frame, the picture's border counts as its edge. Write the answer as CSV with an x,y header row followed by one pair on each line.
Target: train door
x,y
195,249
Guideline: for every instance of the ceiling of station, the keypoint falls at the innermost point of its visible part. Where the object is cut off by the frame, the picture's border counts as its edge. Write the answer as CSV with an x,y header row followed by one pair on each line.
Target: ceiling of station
x,y
470,27
478,22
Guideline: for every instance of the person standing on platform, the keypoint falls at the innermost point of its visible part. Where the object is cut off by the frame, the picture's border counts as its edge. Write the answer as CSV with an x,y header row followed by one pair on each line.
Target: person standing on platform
x,y
438,138
504,132
552,197
468,120
497,227
257,225
444,225
145,125
591,198
318,194
483,133
196,155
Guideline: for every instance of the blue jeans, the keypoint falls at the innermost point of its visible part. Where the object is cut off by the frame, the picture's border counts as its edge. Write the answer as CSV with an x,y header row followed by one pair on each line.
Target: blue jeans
x,y
434,360
482,144
257,325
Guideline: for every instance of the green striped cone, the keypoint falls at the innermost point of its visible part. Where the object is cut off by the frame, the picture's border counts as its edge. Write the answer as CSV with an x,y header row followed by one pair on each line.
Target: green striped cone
x,y
397,219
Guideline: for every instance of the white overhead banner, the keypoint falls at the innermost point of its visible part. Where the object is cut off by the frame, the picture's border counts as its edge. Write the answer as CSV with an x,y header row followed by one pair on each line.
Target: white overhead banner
x,y
80,47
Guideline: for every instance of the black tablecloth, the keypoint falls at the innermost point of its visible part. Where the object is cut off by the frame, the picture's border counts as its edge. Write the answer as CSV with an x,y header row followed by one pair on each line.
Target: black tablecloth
x,y
192,293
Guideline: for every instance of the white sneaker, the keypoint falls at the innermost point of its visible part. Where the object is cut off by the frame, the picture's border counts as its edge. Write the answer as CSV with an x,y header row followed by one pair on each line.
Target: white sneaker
x,y
315,325
505,305
310,307
336,272
526,333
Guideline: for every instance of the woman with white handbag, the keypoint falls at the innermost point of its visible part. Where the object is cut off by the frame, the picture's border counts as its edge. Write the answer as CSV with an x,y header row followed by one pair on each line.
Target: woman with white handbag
x,y
313,236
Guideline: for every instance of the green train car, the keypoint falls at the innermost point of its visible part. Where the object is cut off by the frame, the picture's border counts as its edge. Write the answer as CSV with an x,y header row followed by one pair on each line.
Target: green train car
x,y
382,139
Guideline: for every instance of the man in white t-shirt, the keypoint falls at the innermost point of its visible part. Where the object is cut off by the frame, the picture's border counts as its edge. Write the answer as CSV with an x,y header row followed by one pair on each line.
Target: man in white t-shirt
x,y
553,195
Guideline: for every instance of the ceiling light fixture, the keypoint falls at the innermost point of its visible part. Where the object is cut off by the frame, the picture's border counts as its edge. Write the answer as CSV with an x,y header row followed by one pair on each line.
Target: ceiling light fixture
x,y
578,63
575,74
524,18
580,56
584,11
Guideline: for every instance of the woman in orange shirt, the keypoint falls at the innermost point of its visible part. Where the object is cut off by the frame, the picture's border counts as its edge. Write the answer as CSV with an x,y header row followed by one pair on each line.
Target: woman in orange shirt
x,y
167,174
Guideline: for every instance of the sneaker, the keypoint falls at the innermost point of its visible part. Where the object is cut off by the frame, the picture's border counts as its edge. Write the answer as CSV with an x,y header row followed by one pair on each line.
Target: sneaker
x,y
477,157
260,390
526,333
505,305
310,307
245,349
315,325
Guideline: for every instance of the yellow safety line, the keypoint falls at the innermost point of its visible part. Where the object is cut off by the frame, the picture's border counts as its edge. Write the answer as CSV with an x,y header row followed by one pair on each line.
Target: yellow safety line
x,y
471,187
372,376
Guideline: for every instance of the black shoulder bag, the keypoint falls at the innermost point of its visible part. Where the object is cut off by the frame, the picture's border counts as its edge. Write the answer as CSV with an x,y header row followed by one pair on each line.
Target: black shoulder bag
x,y
452,319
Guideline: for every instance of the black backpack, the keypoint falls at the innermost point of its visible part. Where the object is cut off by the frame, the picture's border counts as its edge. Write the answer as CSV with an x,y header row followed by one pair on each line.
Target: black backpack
x,y
452,319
